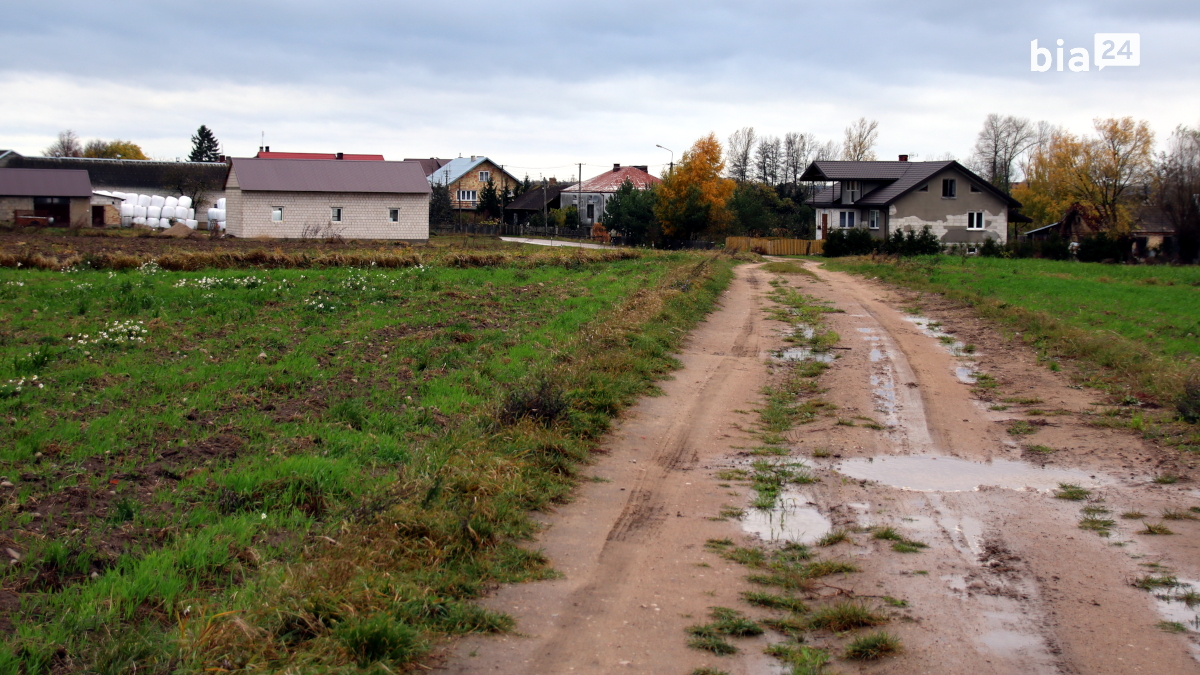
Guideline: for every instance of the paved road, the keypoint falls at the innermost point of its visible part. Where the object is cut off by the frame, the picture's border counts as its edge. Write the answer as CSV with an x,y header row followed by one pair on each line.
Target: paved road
x,y
547,242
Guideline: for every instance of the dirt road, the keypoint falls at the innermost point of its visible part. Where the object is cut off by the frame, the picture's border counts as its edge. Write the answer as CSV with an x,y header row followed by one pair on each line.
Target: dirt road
x,y
1009,582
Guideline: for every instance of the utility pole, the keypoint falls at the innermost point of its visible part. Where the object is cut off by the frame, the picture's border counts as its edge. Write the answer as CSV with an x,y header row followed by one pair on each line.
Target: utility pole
x,y
672,169
579,191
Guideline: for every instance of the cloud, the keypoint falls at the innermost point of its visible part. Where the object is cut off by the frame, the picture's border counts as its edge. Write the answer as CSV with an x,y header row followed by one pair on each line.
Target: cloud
x,y
546,85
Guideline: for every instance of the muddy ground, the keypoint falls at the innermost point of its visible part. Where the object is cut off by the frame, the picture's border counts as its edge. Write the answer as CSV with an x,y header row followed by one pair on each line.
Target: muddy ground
x,y
1009,582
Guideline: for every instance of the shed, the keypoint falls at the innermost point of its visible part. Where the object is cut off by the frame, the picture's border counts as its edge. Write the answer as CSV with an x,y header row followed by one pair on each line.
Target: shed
x,y
59,197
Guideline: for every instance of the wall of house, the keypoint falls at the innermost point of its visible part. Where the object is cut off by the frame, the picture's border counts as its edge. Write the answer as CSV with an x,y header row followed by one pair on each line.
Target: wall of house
x,y
470,181
10,204
581,200
860,220
307,215
947,217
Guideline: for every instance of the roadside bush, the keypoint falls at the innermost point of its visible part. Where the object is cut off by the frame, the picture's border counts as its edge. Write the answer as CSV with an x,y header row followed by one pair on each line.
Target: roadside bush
x,y
848,242
991,249
1188,404
908,244
1099,248
1055,248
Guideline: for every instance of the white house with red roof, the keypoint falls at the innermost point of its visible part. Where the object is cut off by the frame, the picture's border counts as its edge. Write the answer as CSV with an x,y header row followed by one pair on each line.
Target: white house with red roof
x,y
591,195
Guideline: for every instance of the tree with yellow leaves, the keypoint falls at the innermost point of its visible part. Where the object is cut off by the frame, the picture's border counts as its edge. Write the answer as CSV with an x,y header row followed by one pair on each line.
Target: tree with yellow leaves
x,y
692,199
1103,172
117,149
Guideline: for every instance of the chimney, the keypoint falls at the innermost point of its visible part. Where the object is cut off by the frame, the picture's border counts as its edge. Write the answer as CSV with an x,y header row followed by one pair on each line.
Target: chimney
x,y
341,155
616,167
642,167
267,149
903,158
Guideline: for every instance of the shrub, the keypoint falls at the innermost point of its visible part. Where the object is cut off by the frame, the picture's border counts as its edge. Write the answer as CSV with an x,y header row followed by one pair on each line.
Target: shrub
x,y
1099,248
908,243
855,241
1188,403
379,638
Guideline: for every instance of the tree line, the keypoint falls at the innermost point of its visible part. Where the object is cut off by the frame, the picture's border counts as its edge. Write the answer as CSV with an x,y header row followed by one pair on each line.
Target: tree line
x,y
205,147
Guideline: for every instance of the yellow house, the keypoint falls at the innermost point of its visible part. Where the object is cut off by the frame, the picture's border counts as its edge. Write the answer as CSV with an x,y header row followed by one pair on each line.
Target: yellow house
x,y
466,177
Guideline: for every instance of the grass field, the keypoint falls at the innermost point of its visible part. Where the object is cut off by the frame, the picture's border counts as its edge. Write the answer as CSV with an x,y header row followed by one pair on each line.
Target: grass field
x,y
305,469
1141,323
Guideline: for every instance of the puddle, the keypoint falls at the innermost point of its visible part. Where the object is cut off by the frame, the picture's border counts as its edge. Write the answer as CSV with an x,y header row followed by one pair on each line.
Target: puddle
x,y
803,354
877,354
924,473
806,332
792,519
965,374
862,513
1172,609
865,330
883,392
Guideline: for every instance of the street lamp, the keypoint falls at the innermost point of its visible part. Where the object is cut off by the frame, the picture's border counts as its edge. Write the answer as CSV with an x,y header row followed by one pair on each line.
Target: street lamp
x,y
672,157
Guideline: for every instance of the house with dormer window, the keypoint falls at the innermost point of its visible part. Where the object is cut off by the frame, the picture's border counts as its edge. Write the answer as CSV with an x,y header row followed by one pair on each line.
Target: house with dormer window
x,y
466,177
882,197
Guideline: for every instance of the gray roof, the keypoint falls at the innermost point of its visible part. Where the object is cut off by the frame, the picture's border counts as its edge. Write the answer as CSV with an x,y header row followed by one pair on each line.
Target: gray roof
x,y
44,183
459,167
140,174
329,175
533,198
899,178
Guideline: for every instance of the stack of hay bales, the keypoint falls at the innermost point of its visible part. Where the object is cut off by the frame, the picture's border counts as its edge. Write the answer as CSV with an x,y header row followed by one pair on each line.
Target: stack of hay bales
x,y
155,210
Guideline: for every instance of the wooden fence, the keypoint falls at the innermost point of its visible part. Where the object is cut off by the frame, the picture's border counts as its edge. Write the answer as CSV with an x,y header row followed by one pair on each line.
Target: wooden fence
x,y
775,246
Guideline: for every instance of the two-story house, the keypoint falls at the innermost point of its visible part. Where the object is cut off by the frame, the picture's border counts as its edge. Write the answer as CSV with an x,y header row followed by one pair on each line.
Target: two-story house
x,y
883,197
466,178
592,195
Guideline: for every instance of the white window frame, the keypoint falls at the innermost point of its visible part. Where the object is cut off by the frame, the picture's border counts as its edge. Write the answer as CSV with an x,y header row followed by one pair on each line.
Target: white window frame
x,y
335,214
276,214
846,220
975,220
485,176
852,189
949,188
873,218
468,195
393,215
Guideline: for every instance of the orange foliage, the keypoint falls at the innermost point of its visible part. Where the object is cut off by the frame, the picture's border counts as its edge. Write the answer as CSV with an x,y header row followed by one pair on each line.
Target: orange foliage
x,y
692,199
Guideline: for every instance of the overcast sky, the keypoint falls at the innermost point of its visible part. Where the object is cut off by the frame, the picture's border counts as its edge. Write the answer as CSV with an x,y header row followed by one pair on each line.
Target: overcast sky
x,y
541,86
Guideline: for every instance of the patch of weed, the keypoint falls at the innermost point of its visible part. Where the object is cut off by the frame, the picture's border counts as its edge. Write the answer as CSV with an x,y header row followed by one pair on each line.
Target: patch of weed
x,y
1155,528
1166,479
835,536
1072,492
872,647
772,601
845,615
1133,515
1021,428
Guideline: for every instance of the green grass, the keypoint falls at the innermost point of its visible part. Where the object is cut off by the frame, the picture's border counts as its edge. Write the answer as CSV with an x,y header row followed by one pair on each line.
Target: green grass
x,y
1155,528
836,536
845,615
307,469
1072,492
1171,626
1133,515
872,647
1137,322
804,660
772,601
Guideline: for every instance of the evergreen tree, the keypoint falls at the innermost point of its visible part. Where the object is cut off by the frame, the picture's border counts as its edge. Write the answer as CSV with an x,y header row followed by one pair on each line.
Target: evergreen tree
x,y
440,210
489,201
630,213
204,146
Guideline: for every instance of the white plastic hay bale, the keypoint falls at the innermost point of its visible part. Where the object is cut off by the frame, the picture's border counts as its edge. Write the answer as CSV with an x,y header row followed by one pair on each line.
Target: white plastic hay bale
x,y
157,200
139,211
171,202
220,214
139,220
168,211
221,225
212,215
185,201
126,221
143,200
154,211
127,210
152,222
221,203
191,223
191,213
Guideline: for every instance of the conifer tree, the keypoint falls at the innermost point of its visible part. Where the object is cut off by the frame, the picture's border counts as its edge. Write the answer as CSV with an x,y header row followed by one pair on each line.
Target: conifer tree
x,y
204,146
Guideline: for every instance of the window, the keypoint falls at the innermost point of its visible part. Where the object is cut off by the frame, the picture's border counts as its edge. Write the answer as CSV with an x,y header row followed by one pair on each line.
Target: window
x,y
949,188
485,176
591,211
393,215
852,190
846,219
277,214
975,220
468,195
335,214
873,220
924,188
975,188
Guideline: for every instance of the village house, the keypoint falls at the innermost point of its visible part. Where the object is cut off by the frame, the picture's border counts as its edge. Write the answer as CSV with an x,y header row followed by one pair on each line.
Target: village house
x,y
591,196
317,198
466,178
539,199
57,197
883,197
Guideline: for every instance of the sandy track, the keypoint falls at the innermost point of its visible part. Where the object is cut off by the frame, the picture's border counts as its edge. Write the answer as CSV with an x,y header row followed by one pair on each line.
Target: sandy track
x,y
1010,584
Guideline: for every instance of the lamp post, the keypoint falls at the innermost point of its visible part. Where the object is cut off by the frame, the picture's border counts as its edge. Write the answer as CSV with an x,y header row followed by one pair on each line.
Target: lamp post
x,y
672,157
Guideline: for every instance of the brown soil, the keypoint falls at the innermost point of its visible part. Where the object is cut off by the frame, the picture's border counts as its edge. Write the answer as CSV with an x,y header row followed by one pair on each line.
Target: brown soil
x,y
1009,583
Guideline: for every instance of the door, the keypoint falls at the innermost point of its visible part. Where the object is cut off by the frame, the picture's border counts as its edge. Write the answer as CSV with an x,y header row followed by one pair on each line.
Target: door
x,y
824,224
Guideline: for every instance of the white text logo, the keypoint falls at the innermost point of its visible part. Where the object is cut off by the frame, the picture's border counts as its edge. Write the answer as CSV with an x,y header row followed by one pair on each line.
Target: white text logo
x,y
1109,49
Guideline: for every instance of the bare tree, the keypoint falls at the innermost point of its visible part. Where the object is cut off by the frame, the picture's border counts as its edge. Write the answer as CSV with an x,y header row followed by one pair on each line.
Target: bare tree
x,y
828,151
859,145
767,158
1178,189
999,145
739,162
67,145
798,149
